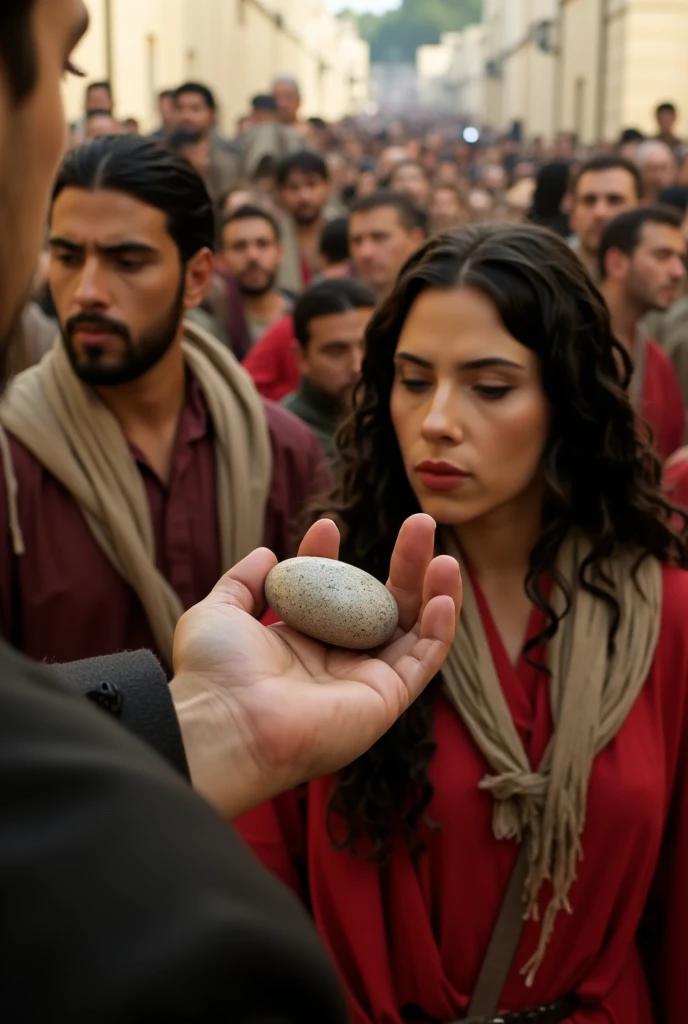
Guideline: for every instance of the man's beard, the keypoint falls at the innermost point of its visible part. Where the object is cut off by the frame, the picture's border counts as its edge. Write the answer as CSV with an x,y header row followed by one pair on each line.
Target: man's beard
x,y
257,291
189,136
307,216
139,357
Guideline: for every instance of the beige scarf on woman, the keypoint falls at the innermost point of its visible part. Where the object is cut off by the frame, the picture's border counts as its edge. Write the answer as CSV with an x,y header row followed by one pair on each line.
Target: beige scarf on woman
x,y
74,435
591,696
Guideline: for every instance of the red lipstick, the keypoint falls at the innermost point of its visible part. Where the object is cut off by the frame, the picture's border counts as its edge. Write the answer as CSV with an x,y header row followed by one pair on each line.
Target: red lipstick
x,y
440,475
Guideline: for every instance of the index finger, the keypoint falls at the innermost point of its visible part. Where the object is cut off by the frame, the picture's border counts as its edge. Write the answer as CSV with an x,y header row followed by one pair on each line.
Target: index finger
x,y
321,541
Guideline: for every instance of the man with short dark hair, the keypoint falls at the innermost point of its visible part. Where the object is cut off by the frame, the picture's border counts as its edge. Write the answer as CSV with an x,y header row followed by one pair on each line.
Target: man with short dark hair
x,y
642,266
629,140
330,321
98,103
192,469
251,251
383,234
334,249
303,183
667,115
101,122
196,138
447,208
411,179
264,109
99,97
167,110
605,187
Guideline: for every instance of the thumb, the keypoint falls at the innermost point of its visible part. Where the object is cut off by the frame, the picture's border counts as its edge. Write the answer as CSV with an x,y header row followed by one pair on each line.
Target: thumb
x,y
243,586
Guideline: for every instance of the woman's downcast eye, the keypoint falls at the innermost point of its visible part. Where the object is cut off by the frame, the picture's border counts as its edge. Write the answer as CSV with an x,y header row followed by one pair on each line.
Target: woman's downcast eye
x,y
493,392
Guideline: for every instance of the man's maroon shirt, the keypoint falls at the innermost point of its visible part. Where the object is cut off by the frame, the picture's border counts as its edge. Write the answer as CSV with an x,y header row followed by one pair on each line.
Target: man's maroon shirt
x,y
63,600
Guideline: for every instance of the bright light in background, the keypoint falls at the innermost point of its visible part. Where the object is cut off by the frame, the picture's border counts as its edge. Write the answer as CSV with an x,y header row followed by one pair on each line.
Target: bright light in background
x,y
364,6
471,135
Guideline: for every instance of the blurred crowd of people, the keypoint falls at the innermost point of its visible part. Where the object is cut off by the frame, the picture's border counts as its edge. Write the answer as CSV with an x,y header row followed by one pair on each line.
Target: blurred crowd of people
x,y
299,202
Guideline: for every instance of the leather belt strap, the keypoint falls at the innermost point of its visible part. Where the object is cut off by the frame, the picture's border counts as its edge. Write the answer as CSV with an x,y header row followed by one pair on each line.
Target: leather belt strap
x,y
501,951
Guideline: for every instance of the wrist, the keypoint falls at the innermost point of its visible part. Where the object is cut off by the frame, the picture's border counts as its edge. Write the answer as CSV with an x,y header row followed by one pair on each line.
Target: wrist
x,y
221,768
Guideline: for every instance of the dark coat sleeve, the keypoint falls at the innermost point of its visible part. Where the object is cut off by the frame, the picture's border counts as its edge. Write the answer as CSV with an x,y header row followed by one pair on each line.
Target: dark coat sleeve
x,y
124,897
133,688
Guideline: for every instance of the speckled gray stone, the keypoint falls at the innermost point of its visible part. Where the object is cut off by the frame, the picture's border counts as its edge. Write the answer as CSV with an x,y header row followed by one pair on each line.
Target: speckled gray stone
x,y
333,602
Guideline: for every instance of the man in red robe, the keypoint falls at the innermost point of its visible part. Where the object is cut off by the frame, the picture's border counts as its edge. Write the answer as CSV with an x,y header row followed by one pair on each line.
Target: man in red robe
x,y
113,518
642,266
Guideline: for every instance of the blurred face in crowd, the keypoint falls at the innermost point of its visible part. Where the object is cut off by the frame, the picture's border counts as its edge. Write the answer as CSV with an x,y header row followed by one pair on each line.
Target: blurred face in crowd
x,y
354,150
193,115
380,244
468,408
304,195
599,196
389,159
447,173
657,166
252,253
651,277
480,205
493,178
629,150
366,184
411,180
666,120
288,101
332,359
235,199
338,170
118,285
167,110
32,140
564,147
98,97
260,115
102,124
446,209
524,169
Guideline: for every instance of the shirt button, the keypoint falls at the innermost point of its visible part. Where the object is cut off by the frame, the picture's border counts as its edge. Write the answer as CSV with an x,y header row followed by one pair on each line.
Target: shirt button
x,y
108,697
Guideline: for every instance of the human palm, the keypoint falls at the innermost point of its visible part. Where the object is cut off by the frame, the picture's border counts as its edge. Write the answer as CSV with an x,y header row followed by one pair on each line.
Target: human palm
x,y
277,707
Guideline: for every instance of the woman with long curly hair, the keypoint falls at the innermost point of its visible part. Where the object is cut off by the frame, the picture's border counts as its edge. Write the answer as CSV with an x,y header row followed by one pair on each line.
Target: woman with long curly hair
x,y
494,397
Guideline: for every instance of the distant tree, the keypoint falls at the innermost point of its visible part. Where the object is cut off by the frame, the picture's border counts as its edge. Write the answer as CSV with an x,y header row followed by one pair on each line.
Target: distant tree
x,y
395,36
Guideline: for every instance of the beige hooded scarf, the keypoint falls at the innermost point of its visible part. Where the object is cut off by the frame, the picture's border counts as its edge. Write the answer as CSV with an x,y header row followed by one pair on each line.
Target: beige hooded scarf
x,y
68,428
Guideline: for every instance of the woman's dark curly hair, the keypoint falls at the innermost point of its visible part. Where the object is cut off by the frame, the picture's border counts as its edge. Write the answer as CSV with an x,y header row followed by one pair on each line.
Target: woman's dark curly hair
x,y
601,476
